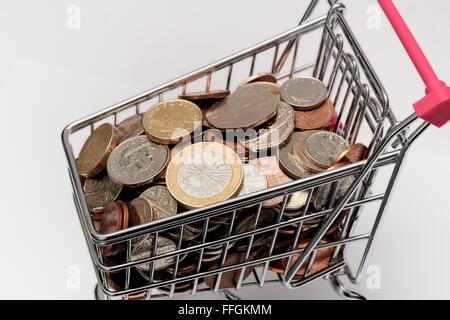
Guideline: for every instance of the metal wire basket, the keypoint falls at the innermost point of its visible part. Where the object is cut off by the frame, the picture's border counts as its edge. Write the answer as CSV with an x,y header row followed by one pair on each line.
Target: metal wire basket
x,y
364,115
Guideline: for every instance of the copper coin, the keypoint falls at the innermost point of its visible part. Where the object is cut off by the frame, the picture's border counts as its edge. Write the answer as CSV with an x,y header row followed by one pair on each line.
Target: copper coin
x,y
322,258
354,153
206,95
115,218
141,212
277,133
276,266
304,93
172,121
275,177
97,216
96,150
229,279
315,119
100,191
262,77
130,128
248,107
300,152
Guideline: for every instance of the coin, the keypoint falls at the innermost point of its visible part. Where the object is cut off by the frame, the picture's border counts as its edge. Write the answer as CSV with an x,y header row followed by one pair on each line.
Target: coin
x,y
322,195
248,107
141,212
115,217
275,177
315,119
130,128
137,162
206,95
262,77
169,122
229,279
203,174
254,180
322,148
288,162
96,150
144,250
299,152
162,202
100,191
321,261
297,200
304,93
275,134
354,153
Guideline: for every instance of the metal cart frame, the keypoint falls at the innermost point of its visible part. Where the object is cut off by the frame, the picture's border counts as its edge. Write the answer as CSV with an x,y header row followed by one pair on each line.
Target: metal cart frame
x,y
363,105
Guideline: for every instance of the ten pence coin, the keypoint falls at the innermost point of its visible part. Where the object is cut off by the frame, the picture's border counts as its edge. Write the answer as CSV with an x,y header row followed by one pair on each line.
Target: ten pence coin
x,y
322,148
137,162
304,93
163,204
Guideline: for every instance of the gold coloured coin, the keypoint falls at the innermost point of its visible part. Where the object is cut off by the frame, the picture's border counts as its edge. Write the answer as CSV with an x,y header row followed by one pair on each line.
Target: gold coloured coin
x,y
169,122
203,174
96,150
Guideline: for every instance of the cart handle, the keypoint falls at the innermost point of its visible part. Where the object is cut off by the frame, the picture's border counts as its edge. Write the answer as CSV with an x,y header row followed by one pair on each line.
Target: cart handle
x,y
435,106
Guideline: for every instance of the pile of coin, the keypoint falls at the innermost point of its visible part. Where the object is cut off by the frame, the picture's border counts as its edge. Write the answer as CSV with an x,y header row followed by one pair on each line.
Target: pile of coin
x,y
205,148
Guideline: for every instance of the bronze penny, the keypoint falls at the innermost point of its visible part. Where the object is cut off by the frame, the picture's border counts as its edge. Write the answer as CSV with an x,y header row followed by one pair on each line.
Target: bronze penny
x,y
248,107
97,216
277,133
352,154
263,77
288,162
229,279
300,152
276,266
275,177
172,121
206,95
315,119
100,191
96,150
130,128
322,258
115,218
141,212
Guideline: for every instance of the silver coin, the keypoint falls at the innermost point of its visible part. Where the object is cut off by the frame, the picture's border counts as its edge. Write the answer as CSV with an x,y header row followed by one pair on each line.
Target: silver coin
x,y
304,93
162,202
100,191
288,162
277,133
137,161
322,195
144,250
297,200
322,148
254,180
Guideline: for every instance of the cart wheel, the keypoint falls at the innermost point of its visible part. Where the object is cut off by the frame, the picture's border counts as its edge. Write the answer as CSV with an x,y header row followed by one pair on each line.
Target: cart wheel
x,y
339,288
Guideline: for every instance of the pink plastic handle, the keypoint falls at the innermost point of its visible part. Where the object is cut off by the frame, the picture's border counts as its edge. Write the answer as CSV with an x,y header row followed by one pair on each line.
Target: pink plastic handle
x,y
435,107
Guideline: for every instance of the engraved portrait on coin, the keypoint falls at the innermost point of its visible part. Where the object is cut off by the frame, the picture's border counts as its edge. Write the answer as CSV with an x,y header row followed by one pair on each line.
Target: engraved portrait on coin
x,y
137,161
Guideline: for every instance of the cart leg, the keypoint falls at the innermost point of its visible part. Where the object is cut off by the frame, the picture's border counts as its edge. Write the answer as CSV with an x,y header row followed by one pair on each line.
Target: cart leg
x,y
99,295
339,288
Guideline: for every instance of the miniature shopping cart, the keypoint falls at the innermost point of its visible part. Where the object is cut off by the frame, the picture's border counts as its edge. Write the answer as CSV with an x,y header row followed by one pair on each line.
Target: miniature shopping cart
x,y
323,47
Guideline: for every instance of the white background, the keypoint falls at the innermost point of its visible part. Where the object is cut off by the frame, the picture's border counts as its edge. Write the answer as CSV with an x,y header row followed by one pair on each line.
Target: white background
x,y
51,75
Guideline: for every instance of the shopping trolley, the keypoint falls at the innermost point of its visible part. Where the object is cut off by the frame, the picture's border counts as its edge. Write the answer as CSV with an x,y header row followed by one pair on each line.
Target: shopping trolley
x,y
364,115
